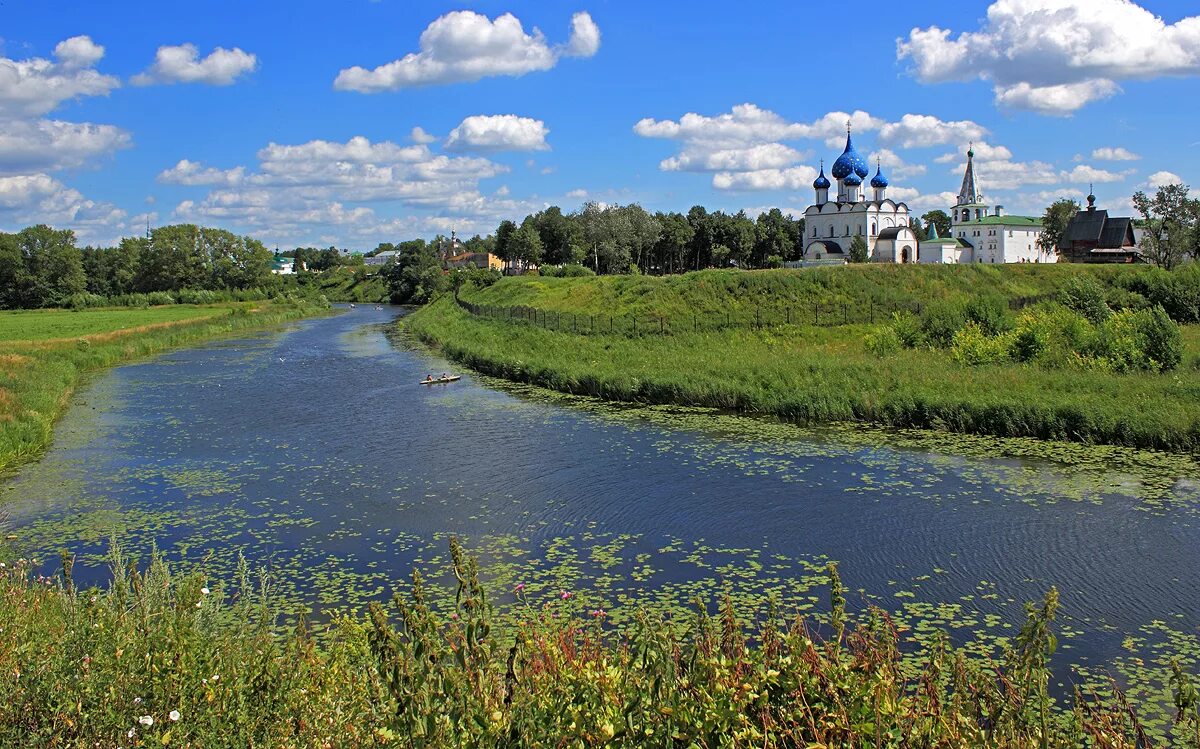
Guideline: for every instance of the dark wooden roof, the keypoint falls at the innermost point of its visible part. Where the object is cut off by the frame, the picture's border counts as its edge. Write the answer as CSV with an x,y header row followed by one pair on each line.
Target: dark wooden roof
x,y
1095,230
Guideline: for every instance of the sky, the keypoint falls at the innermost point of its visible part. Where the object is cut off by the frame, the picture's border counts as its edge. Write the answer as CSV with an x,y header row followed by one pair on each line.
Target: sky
x,y
360,121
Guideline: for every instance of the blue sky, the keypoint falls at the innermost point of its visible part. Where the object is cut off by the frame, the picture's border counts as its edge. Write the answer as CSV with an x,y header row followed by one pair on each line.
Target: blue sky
x,y
107,118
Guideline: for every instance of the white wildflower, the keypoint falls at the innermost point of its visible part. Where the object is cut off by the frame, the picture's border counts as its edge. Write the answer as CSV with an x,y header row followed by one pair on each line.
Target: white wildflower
x,y
204,591
174,715
146,720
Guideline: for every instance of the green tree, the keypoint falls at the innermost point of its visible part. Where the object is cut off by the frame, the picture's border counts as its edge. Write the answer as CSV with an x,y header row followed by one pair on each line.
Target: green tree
x,y
124,262
773,235
702,242
16,286
1054,223
1170,219
54,263
673,239
504,233
918,229
939,219
415,275
525,246
562,239
858,250
176,258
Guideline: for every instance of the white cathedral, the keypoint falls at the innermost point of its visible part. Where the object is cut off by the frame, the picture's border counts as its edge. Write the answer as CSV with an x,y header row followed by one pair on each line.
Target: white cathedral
x,y
832,225
979,233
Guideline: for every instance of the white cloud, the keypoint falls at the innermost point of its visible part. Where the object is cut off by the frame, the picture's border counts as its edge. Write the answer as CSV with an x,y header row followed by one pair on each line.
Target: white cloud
x,y
193,173
1055,56
183,64
984,152
897,167
464,46
33,87
1084,173
922,131
421,137
1008,175
794,178
1162,179
30,146
578,194
752,158
1114,154
302,192
499,132
39,198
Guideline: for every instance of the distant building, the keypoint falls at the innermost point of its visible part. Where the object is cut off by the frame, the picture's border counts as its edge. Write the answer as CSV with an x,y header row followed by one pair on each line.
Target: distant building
x,y
993,236
1093,236
832,225
282,265
945,250
473,259
381,259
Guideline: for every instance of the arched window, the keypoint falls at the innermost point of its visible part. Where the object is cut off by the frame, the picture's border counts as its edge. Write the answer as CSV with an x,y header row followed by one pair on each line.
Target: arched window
x,y
966,215
847,231
814,231
831,230
872,228
976,214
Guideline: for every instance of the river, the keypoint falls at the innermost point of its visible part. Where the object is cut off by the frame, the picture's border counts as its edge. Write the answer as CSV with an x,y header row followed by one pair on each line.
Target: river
x,y
315,452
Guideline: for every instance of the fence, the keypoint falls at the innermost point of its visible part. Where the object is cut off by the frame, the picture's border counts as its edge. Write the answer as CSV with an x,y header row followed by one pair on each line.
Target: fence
x,y
827,314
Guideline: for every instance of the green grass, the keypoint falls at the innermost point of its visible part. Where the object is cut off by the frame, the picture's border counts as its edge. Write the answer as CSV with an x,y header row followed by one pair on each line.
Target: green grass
x,y
43,324
716,292
45,353
345,284
158,659
811,374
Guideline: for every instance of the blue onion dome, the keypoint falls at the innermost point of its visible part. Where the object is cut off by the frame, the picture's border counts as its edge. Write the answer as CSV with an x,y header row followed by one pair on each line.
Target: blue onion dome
x,y
852,180
850,162
821,182
879,180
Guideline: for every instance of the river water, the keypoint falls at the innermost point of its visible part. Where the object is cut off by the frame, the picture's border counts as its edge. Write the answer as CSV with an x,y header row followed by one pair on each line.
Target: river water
x,y
316,452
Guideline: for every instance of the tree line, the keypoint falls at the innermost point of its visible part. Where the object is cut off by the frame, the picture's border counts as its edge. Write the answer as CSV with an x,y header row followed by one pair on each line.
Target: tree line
x,y
43,267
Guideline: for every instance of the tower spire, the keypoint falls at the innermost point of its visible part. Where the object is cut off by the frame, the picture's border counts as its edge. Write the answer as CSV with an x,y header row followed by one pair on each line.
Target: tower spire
x,y
969,192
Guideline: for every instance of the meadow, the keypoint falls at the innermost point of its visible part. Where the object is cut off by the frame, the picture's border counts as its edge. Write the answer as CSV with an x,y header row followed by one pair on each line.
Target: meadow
x,y
813,374
45,353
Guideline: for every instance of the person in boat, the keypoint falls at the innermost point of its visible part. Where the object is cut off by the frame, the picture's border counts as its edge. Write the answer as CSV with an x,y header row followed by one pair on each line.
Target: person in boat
x,y
428,378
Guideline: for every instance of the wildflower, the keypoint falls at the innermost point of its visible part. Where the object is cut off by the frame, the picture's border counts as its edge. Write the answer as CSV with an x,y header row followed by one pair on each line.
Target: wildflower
x,y
520,586
173,715
215,677
146,720
608,730
197,604
565,595
599,613
204,591
130,733
137,700
497,716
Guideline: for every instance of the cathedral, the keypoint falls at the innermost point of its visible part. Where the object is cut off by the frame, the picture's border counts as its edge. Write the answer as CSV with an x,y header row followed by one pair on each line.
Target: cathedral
x,y
979,233
882,223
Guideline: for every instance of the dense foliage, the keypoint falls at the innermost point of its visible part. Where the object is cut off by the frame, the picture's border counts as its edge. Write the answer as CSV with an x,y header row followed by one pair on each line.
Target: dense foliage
x,y
159,659
43,267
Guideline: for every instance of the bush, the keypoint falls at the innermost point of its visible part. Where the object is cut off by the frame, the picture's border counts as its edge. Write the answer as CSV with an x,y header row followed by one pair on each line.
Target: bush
x,y
1160,338
157,298
973,346
1084,295
907,327
884,341
1178,291
84,300
570,270
1139,340
990,314
940,321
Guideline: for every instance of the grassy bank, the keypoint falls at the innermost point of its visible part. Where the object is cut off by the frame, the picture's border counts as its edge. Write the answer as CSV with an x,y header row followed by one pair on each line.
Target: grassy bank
x,y
343,284
158,660
45,353
811,374
716,292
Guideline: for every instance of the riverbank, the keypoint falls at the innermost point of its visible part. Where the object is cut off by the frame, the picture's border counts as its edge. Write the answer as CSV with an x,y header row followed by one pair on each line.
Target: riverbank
x,y
161,659
45,353
811,374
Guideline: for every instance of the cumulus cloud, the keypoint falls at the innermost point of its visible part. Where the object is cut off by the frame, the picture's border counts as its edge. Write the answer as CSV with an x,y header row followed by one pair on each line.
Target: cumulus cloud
x,y
464,46
305,191
1114,154
897,167
418,135
1084,173
183,64
32,146
39,198
34,87
578,194
1056,56
984,152
498,132
923,131
793,178
1164,178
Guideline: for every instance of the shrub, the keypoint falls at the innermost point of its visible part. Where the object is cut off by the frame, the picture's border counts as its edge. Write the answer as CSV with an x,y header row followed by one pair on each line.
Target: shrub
x,y
84,300
1178,291
1030,339
156,298
907,327
1084,295
973,346
570,270
940,321
884,341
989,313
1159,336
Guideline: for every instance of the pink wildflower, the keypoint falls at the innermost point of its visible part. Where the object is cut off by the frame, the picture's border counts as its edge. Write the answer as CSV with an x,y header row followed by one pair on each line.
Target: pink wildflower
x,y
566,595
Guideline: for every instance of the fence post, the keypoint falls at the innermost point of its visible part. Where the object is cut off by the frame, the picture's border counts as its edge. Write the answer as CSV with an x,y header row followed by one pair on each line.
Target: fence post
x,y
789,315
845,313
816,313
662,325
574,326
757,316
634,324
872,310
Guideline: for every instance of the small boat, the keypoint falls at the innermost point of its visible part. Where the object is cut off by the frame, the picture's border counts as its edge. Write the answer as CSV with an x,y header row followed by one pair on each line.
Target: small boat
x,y
442,380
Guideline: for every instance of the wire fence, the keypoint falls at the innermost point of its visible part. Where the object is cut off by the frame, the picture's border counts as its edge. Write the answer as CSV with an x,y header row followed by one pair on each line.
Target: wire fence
x,y
826,314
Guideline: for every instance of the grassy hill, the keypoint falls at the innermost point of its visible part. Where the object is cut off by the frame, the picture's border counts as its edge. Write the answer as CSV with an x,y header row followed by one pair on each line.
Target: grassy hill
x,y
815,373
720,291
344,284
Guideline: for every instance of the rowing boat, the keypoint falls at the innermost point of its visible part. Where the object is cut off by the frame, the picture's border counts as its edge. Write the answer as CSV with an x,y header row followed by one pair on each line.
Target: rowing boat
x,y
442,380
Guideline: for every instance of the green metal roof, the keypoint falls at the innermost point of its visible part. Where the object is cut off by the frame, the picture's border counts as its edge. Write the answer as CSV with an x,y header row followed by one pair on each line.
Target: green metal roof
x,y
1003,221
